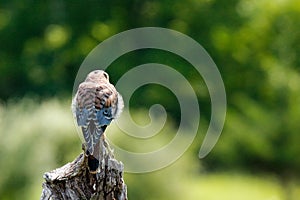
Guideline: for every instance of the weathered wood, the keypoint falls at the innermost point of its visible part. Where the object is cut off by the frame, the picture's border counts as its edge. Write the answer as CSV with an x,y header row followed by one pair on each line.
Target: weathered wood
x,y
74,181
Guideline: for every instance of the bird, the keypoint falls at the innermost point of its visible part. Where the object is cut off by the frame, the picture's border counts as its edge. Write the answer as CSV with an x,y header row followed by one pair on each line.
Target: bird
x,y
95,104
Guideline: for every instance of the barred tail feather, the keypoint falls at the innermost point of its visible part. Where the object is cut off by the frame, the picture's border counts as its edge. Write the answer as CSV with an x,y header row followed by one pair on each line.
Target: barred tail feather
x,y
88,139
92,135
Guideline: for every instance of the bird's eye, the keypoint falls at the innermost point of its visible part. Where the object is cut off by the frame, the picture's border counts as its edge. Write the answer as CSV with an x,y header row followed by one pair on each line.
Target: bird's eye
x,y
105,75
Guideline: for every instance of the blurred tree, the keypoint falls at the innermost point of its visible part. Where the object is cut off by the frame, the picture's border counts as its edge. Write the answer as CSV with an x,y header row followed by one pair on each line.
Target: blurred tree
x,y
262,99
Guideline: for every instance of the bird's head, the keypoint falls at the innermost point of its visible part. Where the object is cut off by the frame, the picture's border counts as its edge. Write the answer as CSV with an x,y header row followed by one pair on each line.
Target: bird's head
x,y
97,76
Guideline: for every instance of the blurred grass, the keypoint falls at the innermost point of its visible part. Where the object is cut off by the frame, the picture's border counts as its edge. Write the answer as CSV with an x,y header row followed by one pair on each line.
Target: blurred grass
x,y
38,137
228,186
35,137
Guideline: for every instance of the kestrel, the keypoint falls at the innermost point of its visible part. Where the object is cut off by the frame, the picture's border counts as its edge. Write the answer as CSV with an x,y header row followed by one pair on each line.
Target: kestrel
x,y
94,106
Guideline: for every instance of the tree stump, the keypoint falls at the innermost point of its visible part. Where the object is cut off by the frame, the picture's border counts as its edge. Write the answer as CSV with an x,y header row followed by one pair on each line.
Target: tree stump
x,y
74,180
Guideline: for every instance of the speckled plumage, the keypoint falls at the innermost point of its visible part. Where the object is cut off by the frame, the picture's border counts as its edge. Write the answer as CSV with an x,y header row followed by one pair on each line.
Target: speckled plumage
x,y
94,106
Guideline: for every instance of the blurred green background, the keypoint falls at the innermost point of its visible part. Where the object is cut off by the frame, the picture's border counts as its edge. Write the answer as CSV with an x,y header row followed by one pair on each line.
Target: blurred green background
x,y
255,45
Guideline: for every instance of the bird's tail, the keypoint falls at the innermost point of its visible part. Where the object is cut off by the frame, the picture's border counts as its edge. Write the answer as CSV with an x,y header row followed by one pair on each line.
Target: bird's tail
x,y
93,136
94,158
93,164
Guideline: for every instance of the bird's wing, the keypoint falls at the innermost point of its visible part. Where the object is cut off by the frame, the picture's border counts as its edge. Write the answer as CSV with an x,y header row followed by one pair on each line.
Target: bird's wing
x,y
106,98
94,103
85,114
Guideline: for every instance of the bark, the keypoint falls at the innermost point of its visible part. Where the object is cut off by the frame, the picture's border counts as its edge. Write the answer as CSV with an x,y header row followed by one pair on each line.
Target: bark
x,y
74,181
